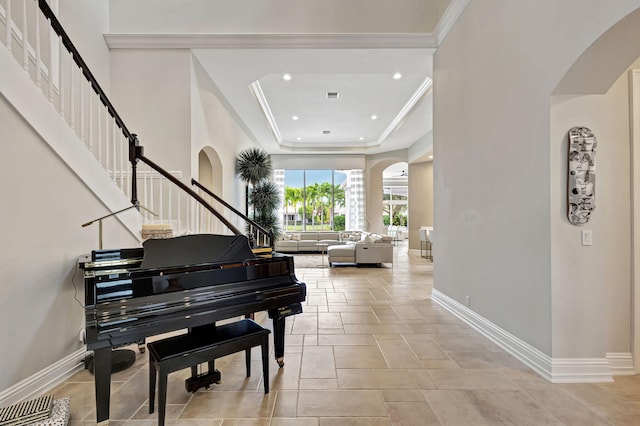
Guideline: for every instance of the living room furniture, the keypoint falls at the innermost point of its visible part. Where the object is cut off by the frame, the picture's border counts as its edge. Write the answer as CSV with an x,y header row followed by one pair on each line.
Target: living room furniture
x,y
294,242
425,242
190,349
323,249
375,250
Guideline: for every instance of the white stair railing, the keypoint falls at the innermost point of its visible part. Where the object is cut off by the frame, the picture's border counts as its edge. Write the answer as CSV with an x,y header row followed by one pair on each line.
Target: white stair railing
x,y
41,48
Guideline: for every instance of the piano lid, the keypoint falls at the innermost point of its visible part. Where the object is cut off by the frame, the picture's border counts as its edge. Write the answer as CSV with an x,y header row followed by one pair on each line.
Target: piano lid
x,y
195,249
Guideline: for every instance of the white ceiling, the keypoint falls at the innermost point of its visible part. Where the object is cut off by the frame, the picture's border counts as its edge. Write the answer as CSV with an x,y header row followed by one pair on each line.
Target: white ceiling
x,y
251,82
326,46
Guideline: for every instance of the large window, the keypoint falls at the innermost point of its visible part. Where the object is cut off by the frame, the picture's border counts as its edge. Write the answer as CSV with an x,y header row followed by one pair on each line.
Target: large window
x,y
321,200
395,200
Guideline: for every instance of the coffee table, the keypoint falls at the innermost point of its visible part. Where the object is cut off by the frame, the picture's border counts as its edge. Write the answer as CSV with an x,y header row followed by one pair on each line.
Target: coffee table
x,y
323,250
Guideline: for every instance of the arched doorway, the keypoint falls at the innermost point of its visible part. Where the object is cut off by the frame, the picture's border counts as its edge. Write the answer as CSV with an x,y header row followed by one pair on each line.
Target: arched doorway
x,y
599,79
210,176
395,200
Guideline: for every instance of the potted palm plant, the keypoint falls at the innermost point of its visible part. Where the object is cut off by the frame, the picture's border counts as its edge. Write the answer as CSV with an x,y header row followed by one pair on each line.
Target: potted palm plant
x,y
253,166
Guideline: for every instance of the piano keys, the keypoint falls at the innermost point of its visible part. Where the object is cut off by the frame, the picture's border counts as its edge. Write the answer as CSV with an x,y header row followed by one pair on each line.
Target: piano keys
x,y
180,283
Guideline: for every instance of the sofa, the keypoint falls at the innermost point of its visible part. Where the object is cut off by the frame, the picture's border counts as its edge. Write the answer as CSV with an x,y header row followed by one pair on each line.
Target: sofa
x,y
371,249
295,242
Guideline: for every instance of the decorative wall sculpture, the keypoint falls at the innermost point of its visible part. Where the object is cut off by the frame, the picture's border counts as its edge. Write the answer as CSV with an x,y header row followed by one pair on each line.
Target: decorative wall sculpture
x,y
582,175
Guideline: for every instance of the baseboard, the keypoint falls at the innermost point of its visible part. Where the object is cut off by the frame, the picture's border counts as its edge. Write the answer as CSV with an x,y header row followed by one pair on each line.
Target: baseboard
x,y
44,380
621,363
558,370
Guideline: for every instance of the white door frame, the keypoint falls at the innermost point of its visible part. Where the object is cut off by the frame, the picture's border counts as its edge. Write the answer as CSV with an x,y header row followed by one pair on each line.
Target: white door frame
x,y
634,117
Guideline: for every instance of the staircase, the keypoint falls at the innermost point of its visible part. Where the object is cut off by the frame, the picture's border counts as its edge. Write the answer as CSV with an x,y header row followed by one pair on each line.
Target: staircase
x,y
43,53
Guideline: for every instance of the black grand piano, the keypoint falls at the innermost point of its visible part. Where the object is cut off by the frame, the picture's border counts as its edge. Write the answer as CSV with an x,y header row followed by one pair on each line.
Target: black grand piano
x,y
180,283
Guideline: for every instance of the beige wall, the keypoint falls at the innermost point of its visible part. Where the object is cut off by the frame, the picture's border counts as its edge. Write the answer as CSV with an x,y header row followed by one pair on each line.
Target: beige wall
x,y
496,190
213,128
269,17
594,278
375,165
44,205
420,200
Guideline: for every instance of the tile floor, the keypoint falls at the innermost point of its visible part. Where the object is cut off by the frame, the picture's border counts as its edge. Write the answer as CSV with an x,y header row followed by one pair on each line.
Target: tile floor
x,y
370,349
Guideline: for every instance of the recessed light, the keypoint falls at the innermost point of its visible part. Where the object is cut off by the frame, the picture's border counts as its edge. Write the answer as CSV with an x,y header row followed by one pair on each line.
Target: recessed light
x,y
430,157
286,77
295,117
361,138
326,132
299,138
374,117
397,76
333,95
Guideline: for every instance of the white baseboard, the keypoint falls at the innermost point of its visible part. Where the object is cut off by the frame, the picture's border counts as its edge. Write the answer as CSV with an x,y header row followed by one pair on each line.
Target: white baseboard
x,y
558,370
621,363
44,380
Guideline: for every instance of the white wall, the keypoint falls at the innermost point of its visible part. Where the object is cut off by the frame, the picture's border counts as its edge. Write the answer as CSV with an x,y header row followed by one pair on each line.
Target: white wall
x,y
492,175
85,22
375,165
213,126
267,16
151,90
44,204
594,279
315,162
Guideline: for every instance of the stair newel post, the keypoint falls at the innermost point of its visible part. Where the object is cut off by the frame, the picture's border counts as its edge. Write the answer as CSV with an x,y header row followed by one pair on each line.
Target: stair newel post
x,y
135,151
272,239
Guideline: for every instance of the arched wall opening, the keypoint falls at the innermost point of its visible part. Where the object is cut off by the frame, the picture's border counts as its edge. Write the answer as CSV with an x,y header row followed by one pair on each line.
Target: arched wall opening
x,y
395,200
210,170
373,180
210,176
595,93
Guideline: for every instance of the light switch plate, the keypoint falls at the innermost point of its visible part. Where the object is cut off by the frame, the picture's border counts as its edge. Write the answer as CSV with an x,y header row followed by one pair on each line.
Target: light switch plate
x,y
587,237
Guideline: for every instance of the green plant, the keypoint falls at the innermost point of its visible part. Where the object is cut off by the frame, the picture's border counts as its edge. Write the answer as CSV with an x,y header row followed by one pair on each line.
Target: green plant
x,y
253,165
338,222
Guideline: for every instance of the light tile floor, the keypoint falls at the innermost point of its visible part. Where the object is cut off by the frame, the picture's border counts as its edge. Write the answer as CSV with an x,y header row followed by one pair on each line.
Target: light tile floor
x,y
370,349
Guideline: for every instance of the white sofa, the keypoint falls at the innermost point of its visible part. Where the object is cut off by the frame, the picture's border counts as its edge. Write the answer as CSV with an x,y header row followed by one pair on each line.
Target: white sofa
x,y
293,242
372,249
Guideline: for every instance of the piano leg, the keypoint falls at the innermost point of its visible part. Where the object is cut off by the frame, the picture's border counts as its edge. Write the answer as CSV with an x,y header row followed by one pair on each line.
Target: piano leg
x,y
102,378
278,339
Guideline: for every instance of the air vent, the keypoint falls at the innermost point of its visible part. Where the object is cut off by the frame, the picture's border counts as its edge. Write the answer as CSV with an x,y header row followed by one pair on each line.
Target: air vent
x,y
333,95
326,132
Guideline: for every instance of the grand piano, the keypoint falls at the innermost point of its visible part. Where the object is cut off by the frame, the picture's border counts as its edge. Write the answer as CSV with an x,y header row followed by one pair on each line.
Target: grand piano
x,y
180,283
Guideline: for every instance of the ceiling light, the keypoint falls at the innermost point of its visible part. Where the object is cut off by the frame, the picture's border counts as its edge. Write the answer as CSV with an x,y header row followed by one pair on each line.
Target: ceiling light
x,y
286,77
374,117
397,76
333,95
295,117
299,138
326,132
430,157
361,138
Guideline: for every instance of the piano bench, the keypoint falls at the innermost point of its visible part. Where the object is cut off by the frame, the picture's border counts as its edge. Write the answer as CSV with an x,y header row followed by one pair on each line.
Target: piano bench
x,y
188,350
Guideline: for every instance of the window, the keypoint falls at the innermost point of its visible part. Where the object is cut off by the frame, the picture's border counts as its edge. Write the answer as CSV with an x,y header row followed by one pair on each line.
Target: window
x,y
395,201
321,200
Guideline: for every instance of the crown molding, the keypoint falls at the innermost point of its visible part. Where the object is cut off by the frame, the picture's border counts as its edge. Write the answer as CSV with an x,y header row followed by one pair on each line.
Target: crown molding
x,y
256,89
271,41
422,89
449,17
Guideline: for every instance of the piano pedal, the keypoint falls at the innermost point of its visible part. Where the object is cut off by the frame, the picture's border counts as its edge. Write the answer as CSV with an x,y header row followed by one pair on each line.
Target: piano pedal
x,y
204,380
